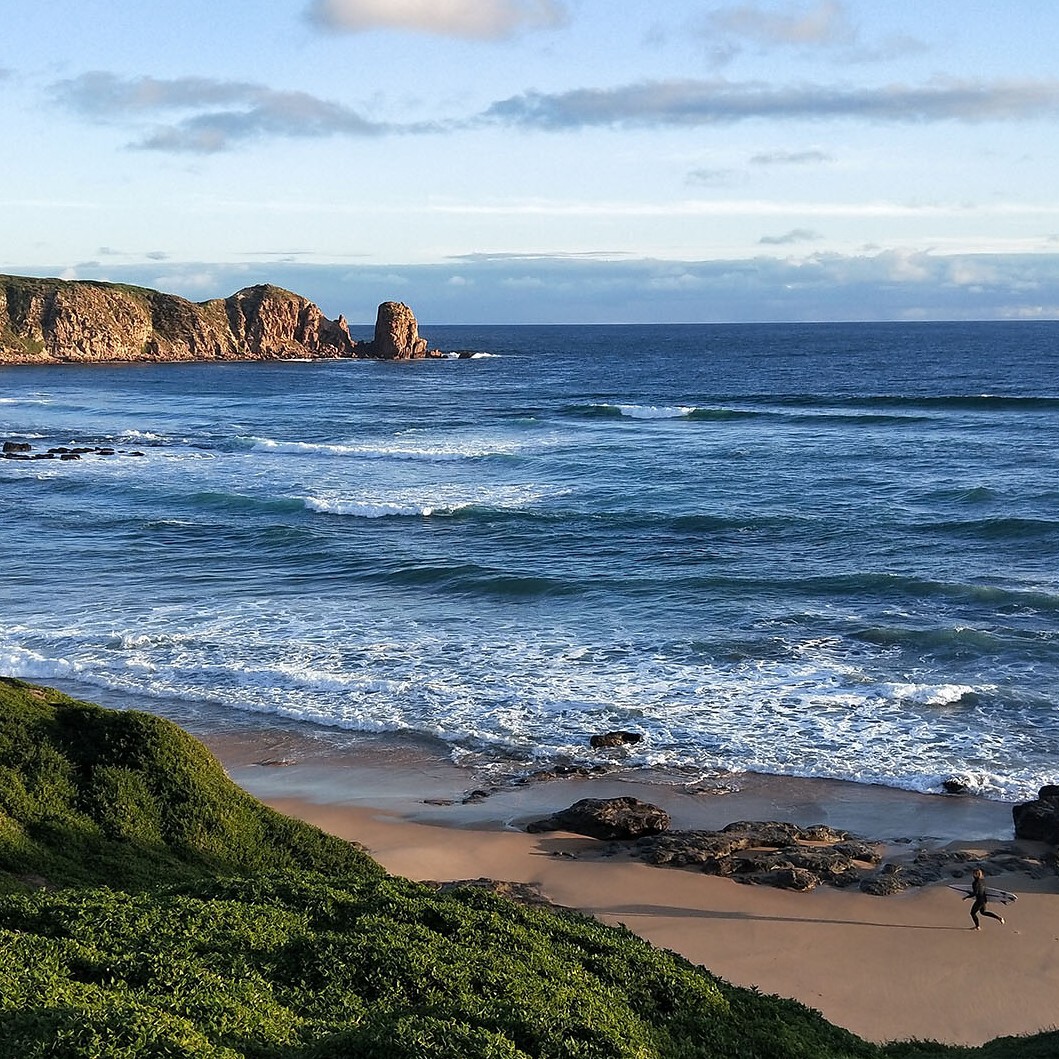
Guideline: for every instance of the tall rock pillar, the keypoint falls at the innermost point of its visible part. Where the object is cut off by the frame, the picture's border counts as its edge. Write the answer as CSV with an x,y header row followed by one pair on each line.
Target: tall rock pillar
x,y
397,334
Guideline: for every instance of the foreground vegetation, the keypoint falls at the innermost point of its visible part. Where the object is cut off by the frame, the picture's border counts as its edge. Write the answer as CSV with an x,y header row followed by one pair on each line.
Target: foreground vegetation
x,y
151,908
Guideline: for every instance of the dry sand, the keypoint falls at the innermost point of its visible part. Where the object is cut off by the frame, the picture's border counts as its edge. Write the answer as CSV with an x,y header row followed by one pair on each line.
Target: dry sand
x,y
884,967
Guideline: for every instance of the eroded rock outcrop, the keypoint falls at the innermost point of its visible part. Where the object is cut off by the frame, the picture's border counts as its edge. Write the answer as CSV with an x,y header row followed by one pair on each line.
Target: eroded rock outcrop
x,y
396,334
52,320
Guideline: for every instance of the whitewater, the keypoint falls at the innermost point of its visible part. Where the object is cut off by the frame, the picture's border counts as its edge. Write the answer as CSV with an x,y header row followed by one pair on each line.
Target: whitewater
x,y
813,550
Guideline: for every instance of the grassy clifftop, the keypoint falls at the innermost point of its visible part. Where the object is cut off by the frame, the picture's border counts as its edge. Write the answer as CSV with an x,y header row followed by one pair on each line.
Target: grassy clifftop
x,y
189,920
94,796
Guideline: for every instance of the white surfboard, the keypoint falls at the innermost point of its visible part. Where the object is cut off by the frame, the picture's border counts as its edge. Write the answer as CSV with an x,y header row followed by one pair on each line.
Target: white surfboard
x,y
1003,896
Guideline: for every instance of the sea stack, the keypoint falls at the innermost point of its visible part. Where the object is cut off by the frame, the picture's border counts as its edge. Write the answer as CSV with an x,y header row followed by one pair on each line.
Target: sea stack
x,y
397,334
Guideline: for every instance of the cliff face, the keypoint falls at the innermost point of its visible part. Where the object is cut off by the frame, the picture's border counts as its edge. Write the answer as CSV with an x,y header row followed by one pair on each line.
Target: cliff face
x,y
50,320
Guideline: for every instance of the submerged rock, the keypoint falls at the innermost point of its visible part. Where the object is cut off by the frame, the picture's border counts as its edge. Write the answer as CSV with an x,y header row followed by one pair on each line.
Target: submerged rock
x,y
608,740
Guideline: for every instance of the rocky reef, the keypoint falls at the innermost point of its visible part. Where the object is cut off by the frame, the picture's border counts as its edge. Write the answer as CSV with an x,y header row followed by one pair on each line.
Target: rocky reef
x,y
46,321
782,854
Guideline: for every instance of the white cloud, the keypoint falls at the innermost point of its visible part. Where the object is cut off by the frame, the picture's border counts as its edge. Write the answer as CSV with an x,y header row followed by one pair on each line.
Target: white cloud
x,y
217,114
825,23
691,103
710,177
473,19
795,235
806,157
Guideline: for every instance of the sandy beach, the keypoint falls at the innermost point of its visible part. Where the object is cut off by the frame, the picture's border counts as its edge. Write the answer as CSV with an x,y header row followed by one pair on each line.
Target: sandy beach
x,y
884,967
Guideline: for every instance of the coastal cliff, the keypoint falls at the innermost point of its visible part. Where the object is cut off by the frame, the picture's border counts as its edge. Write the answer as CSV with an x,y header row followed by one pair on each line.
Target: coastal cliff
x,y
45,321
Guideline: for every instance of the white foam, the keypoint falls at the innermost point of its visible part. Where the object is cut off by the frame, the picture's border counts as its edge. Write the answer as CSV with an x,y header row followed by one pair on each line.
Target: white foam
x,y
143,435
522,692
449,449
637,411
929,694
440,499
380,509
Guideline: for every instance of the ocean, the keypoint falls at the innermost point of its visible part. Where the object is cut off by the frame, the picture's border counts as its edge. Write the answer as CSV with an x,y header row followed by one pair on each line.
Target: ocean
x,y
798,550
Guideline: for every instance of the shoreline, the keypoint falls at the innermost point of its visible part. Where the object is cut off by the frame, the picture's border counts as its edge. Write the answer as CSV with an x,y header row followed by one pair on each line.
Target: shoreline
x,y
417,781
887,968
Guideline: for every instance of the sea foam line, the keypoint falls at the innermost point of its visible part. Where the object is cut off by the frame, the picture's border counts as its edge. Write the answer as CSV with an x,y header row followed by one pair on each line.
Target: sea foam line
x,y
439,453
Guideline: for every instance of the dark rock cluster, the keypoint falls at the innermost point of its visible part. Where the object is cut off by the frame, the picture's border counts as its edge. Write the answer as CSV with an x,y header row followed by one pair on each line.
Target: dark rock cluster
x,y
22,450
768,852
779,854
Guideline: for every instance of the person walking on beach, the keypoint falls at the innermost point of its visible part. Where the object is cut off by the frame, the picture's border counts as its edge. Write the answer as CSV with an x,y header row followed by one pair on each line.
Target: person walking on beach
x,y
981,898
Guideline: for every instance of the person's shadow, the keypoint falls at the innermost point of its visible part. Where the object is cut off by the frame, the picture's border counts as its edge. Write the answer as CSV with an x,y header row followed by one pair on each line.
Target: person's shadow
x,y
709,913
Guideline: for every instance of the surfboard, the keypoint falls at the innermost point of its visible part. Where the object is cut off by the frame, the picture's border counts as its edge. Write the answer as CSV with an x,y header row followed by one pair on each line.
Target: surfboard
x,y
1003,896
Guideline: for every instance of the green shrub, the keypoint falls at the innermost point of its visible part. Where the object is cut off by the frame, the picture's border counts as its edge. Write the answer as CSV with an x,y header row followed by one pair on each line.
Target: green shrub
x,y
91,796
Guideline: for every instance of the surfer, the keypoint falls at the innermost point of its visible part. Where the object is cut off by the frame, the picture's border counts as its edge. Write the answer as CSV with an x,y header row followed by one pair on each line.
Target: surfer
x,y
981,898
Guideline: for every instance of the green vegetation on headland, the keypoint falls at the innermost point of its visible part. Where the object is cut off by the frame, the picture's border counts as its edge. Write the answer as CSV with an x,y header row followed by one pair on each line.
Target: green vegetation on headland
x,y
151,908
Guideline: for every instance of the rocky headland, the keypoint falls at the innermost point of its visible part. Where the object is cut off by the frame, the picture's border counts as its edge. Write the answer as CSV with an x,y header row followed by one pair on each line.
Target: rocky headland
x,y
45,321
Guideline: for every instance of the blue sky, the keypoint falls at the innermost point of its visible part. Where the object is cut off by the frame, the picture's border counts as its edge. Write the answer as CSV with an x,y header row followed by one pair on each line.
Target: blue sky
x,y
543,160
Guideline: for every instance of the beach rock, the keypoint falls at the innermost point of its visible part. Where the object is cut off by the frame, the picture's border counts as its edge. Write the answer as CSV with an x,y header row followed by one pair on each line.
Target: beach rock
x,y
776,833
751,848
784,878
1038,821
860,851
606,818
825,863
17,446
889,880
712,850
612,739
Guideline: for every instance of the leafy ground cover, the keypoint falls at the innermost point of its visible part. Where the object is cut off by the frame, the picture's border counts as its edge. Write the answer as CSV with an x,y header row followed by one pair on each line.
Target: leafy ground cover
x,y
151,908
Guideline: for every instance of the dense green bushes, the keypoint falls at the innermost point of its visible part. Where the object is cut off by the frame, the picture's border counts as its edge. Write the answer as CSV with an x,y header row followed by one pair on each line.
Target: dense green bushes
x,y
305,965
90,796
194,922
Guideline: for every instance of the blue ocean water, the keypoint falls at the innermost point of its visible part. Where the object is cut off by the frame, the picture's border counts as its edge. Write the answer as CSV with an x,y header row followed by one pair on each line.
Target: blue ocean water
x,y
813,550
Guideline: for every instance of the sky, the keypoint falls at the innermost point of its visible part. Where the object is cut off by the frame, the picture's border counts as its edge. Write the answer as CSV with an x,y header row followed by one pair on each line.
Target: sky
x,y
542,161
